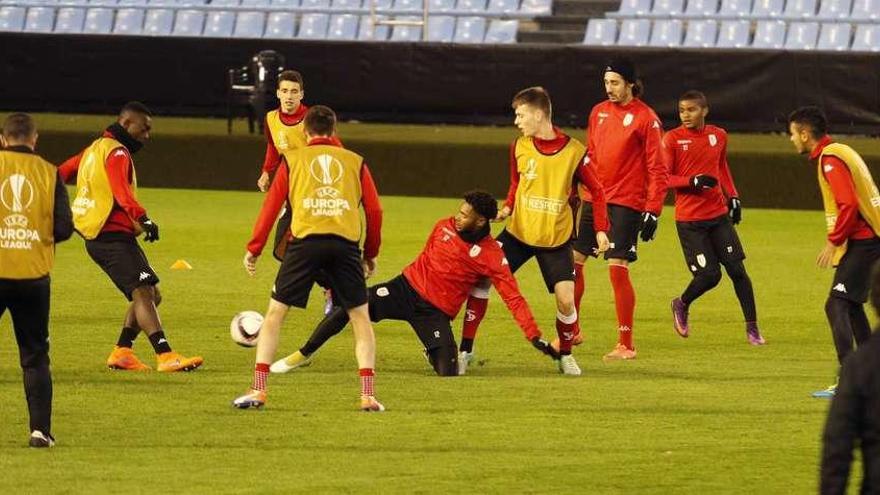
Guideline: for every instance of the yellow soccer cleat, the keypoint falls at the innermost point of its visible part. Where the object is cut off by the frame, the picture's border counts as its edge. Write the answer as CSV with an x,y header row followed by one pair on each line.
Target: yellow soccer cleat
x,y
123,358
290,363
620,353
168,362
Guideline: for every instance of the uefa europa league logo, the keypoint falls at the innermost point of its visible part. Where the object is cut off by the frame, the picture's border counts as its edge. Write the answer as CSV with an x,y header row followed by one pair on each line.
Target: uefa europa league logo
x,y
14,195
326,169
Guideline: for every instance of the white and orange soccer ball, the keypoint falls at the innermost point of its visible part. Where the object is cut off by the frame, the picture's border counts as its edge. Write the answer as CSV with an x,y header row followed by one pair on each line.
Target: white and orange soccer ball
x,y
245,328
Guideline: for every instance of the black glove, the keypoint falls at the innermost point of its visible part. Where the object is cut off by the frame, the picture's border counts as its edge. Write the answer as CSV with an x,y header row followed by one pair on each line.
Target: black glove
x,y
735,210
703,181
151,230
543,346
649,226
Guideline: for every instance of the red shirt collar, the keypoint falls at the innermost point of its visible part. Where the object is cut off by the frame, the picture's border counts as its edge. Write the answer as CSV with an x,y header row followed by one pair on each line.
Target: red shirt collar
x,y
293,118
331,141
550,146
825,141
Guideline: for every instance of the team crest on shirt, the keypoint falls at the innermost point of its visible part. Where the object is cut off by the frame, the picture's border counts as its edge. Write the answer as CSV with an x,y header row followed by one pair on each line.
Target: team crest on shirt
x,y
713,139
531,169
628,119
16,195
382,292
701,260
475,251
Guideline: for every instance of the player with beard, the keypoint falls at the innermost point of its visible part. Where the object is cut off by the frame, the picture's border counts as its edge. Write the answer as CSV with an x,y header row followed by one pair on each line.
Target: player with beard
x,y
430,292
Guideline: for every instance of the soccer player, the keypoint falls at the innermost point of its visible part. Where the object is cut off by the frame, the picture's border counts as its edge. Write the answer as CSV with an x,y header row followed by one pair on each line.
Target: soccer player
x,y
36,215
544,163
284,126
107,214
852,213
429,293
325,183
624,138
707,207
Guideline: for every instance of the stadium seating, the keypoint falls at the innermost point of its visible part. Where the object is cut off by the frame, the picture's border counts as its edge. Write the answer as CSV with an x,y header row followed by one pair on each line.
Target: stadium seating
x,y
280,25
666,8
601,32
867,38
453,20
188,23
249,25
39,20
368,32
501,31
734,34
441,28
342,27
834,36
159,22
802,36
70,20
699,9
129,21
634,32
666,33
832,10
470,29
313,26
769,35
98,21
829,25
12,18
701,34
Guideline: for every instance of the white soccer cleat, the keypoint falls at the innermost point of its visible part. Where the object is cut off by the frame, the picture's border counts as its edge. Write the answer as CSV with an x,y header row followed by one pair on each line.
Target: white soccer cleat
x,y
290,363
464,359
568,366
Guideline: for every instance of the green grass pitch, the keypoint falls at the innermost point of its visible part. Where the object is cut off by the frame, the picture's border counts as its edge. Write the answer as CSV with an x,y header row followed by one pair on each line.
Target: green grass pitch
x,y
709,414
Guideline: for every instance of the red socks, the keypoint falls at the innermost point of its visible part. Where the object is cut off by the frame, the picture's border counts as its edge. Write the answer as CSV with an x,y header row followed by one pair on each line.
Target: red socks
x,y
566,329
367,381
261,371
624,301
473,316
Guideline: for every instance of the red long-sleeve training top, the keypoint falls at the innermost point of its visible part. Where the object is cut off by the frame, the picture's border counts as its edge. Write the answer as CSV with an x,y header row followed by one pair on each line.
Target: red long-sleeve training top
x,y
850,223
625,143
448,267
690,152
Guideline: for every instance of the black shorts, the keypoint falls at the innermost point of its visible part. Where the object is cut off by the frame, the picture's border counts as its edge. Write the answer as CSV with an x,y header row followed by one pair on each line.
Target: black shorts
x,y
123,260
557,264
709,243
397,300
852,278
28,304
624,235
305,259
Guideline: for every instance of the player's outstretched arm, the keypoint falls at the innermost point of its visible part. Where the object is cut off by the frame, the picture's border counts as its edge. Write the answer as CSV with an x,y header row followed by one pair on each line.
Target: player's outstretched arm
x,y
269,211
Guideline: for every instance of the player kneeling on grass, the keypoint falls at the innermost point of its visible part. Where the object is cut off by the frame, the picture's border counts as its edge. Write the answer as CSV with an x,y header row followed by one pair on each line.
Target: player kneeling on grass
x,y
324,183
706,208
107,214
429,293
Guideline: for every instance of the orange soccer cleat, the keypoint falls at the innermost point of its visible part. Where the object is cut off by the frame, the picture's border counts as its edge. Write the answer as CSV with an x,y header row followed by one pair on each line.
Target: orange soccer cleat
x,y
620,353
173,361
578,339
123,358
370,404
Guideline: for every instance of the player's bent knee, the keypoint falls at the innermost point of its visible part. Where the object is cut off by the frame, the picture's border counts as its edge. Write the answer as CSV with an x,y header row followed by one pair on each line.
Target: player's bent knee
x,y
710,278
445,360
157,296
